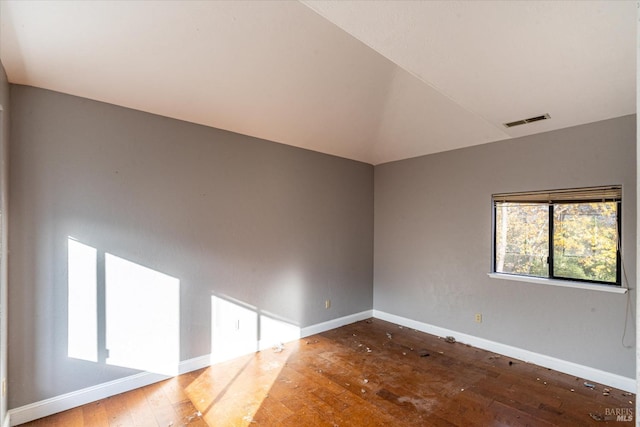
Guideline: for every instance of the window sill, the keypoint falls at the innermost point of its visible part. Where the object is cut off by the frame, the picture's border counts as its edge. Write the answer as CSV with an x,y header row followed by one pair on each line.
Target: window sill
x,y
562,283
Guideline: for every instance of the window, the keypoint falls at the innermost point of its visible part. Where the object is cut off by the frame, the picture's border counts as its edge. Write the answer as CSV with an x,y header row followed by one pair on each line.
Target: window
x,y
562,234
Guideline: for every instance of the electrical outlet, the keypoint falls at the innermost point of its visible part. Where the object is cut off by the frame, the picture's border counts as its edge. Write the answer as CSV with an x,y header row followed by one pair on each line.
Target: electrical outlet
x,y
327,304
478,318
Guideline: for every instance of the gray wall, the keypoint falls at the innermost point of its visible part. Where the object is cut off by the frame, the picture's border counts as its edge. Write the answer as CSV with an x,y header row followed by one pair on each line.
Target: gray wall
x,y
433,243
282,229
4,154
276,227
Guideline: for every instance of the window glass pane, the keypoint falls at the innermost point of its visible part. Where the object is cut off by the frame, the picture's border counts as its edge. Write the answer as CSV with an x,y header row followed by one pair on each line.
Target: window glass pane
x,y
522,238
585,241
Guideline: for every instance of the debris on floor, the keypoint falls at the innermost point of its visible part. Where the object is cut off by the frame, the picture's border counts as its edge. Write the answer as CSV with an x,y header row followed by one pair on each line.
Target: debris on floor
x,y
197,414
510,363
597,417
363,391
365,380
368,350
278,348
572,390
423,353
626,393
450,339
249,419
389,335
588,385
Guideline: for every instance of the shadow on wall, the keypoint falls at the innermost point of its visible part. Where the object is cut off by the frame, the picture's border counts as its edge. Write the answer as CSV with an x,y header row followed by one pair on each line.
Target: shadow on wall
x,y
124,314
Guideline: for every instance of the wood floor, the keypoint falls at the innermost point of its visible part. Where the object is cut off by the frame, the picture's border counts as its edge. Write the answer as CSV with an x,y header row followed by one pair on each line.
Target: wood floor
x,y
370,373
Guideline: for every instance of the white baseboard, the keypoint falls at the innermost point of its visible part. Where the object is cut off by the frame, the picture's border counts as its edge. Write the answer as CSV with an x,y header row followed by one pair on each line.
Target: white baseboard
x,y
81,397
194,364
77,398
586,372
335,323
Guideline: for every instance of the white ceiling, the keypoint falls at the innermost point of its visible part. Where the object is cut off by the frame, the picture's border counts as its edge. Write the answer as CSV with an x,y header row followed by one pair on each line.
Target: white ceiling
x,y
370,81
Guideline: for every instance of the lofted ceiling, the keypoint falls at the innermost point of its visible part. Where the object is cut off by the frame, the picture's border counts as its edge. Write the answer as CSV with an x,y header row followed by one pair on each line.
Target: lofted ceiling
x,y
369,81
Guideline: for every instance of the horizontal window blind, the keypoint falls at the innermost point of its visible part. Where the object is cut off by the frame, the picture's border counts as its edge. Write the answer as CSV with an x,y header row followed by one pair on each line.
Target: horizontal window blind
x,y
612,193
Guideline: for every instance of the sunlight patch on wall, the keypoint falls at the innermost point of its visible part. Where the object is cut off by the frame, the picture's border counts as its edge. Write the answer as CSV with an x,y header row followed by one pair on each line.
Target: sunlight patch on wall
x,y
234,329
82,300
274,331
143,317
238,329
121,313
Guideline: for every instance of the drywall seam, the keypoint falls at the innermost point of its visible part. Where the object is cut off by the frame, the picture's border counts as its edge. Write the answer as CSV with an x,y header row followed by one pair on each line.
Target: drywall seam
x,y
77,398
571,368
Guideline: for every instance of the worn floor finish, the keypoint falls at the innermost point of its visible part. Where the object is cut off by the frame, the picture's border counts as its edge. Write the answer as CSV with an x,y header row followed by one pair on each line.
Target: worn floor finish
x,y
370,373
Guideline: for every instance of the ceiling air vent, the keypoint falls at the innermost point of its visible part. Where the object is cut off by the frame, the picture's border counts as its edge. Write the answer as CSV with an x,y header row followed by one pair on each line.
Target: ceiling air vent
x,y
529,120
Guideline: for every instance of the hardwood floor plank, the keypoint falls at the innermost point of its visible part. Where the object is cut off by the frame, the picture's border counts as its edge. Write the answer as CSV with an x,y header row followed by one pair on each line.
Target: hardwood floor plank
x,y
70,418
95,414
141,412
161,407
189,415
118,411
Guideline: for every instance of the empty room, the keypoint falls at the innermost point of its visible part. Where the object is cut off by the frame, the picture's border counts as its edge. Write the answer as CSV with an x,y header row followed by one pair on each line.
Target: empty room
x,y
318,213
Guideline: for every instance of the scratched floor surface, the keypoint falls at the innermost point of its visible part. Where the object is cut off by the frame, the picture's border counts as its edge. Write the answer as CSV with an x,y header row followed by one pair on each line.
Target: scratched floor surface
x,y
370,373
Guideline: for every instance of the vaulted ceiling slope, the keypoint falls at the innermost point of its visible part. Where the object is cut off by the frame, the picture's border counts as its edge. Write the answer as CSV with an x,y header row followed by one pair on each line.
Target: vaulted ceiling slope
x,y
369,81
